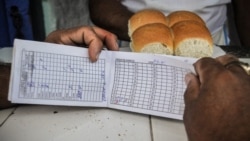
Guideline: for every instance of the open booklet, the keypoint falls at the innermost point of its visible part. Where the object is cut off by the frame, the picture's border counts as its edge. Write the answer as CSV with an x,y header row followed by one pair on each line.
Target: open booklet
x,y
52,74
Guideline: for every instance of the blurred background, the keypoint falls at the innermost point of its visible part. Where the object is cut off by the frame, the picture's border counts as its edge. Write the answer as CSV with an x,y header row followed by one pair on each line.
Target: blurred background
x,y
35,19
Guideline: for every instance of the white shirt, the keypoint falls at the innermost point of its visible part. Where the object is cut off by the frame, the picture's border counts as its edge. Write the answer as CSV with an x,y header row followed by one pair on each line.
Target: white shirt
x,y
213,12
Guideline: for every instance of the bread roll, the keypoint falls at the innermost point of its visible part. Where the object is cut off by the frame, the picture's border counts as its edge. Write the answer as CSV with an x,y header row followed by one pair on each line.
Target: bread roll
x,y
192,39
178,16
182,33
143,17
152,38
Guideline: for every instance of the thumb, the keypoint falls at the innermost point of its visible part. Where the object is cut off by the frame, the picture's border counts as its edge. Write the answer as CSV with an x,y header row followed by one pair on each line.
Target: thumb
x,y
193,87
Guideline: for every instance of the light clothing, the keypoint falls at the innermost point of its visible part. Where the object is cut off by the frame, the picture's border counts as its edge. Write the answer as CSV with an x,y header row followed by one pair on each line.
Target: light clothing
x,y
213,12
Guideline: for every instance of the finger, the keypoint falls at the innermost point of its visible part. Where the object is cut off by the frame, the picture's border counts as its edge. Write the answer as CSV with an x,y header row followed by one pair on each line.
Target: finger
x,y
72,36
231,63
109,39
91,39
207,68
225,59
55,37
79,36
193,88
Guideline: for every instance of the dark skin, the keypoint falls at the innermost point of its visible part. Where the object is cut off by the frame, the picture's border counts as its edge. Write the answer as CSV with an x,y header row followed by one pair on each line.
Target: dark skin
x,y
217,101
114,18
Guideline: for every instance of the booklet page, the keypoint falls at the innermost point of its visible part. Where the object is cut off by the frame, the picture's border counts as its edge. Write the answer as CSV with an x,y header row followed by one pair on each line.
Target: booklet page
x,y
150,84
52,74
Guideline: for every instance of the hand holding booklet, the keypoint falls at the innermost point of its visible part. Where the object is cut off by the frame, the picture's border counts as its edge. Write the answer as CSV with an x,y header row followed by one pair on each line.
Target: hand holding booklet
x,y
52,74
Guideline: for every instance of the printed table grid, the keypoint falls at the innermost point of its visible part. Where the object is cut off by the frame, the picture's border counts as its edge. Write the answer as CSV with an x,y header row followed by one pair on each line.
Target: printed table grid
x,y
61,77
123,87
147,86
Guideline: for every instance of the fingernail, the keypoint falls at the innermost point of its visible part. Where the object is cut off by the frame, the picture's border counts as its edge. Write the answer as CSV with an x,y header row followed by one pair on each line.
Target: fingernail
x,y
116,45
97,56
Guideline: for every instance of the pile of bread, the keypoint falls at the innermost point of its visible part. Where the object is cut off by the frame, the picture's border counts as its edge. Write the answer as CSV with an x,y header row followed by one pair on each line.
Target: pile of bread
x,y
181,33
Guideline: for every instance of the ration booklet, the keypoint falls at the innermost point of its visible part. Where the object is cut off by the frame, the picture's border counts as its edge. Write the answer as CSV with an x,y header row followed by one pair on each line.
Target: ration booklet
x,y
53,74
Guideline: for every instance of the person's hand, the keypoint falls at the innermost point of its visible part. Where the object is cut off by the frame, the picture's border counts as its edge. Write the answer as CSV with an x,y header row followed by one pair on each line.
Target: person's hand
x,y
217,101
93,37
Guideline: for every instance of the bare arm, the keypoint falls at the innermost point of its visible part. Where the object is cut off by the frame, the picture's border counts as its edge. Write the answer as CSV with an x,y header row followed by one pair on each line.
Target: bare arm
x,y
111,15
242,19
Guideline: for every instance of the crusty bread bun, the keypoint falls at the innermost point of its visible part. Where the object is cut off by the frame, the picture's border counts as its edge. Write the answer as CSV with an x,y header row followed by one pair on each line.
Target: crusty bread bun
x,y
143,17
152,38
178,16
182,33
192,39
